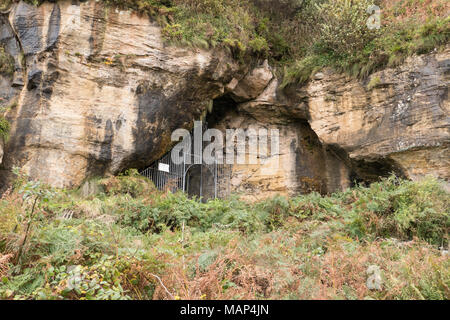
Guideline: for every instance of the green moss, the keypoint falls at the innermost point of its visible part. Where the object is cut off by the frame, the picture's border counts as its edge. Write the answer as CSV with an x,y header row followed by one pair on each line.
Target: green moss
x,y
373,83
5,4
6,63
4,128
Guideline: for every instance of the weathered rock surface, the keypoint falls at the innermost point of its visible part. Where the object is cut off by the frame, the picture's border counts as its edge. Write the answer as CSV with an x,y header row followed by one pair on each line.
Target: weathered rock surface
x,y
253,83
301,165
395,121
402,122
96,91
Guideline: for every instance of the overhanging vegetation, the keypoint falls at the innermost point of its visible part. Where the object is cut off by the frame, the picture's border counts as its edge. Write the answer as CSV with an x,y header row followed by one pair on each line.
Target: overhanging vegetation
x,y
302,36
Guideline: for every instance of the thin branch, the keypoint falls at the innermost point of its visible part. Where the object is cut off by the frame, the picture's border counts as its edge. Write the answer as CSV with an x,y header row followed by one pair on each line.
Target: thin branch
x,y
19,255
162,284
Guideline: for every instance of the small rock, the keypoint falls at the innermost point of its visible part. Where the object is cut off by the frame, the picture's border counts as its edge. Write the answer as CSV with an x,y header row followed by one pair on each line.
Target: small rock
x,y
319,76
374,281
253,84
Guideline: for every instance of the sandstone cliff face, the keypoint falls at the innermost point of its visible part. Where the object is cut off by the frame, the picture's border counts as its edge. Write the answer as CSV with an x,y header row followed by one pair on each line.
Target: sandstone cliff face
x,y
397,121
398,118
96,91
302,164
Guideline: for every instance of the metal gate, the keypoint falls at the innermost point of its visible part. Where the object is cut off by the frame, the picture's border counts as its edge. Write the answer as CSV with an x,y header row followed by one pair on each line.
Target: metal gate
x,y
214,180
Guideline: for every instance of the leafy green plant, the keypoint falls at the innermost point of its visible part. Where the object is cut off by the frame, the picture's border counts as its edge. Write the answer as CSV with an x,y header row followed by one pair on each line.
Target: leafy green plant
x,y
159,245
33,193
101,281
5,127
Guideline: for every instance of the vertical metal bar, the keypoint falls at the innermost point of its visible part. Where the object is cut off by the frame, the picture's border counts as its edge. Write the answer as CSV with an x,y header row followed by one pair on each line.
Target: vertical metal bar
x,y
198,140
158,176
215,180
184,171
201,181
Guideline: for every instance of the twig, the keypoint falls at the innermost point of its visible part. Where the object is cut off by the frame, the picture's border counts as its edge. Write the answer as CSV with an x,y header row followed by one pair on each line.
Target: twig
x,y
162,284
19,255
182,245
116,241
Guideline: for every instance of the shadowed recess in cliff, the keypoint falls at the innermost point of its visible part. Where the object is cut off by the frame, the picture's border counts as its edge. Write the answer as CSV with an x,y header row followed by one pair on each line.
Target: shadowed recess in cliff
x,y
366,171
221,106
158,116
98,165
54,26
372,171
310,160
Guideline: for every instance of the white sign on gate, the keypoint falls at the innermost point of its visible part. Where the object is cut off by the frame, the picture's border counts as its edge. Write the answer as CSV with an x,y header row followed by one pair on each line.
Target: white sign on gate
x,y
163,167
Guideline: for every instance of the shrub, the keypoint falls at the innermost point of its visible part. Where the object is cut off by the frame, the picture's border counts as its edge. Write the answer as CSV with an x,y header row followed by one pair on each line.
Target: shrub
x,y
158,245
343,29
277,209
4,128
6,62
402,209
131,182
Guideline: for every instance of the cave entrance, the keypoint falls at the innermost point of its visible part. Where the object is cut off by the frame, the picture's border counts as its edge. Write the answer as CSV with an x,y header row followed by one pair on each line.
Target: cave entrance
x,y
201,183
193,176
222,107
